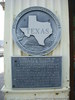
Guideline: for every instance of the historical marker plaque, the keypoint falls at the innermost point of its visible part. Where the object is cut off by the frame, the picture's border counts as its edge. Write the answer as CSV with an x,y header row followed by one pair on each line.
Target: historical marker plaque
x,y
36,30
36,72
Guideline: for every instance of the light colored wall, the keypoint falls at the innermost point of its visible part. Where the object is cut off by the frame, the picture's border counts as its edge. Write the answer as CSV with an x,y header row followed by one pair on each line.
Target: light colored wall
x,y
60,9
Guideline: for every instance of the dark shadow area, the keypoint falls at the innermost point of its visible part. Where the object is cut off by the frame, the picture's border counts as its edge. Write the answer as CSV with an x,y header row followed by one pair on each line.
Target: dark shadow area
x,y
72,48
1,85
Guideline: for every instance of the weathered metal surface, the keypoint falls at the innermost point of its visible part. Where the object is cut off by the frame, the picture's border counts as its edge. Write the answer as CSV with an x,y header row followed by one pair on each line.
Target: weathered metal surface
x,y
60,9
36,72
36,30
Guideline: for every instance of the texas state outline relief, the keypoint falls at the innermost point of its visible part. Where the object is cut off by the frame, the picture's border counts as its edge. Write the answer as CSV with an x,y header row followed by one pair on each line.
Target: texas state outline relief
x,y
40,30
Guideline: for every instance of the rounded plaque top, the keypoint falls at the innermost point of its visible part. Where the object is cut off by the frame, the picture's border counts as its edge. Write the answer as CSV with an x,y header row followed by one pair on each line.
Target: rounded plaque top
x,y
36,30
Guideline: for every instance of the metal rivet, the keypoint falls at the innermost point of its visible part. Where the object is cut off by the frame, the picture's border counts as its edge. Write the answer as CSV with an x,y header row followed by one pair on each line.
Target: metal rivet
x,y
6,42
57,93
15,60
35,94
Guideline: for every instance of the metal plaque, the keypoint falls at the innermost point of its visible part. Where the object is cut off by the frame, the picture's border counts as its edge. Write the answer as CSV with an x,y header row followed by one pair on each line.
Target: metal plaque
x,y
36,30
36,72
